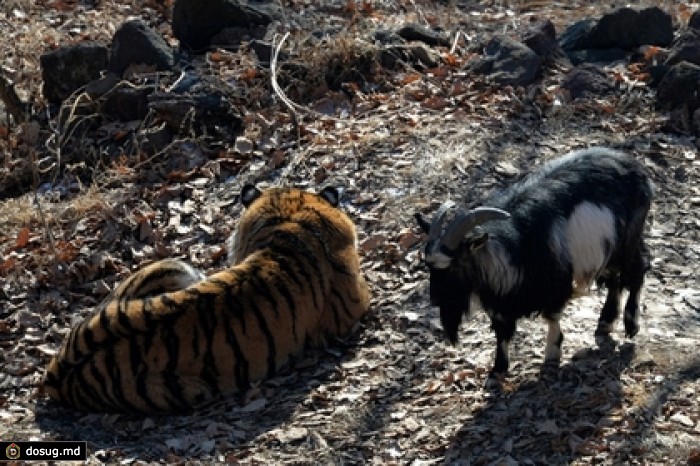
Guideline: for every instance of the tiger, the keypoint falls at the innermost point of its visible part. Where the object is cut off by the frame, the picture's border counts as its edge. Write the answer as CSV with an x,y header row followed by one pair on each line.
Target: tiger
x,y
171,339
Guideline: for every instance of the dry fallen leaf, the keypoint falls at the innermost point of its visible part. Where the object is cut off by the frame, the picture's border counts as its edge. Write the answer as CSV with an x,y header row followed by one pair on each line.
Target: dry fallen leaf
x,y
435,103
22,238
432,387
410,78
395,391
7,265
373,242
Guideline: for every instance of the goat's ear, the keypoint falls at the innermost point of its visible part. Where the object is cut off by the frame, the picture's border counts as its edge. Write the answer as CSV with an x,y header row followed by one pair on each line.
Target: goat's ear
x,y
478,242
422,223
249,193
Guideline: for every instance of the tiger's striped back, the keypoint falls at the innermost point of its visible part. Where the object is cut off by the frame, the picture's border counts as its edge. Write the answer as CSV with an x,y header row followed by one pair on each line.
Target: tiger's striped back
x,y
169,339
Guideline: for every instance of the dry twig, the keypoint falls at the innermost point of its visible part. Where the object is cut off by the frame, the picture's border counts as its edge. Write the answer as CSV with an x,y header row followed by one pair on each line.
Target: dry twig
x,y
13,103
30,132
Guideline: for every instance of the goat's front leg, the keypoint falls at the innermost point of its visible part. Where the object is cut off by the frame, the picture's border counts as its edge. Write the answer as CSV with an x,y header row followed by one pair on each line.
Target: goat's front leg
x,y
552,349
555,337
633,281
504,334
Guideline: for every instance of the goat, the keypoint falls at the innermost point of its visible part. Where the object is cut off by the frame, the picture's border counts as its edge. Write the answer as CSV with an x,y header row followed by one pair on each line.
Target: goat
x,y
532,247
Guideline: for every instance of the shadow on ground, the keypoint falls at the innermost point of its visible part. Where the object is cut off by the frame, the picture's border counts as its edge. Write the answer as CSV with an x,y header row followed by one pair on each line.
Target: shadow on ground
x,y
589,410
231,423
547,422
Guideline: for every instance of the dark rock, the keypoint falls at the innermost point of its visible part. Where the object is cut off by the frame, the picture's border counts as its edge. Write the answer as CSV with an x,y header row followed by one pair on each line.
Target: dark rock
x,y
686,47
424,56
264,51
154,140
576,36
624,28
234,36
616,33
206,111
587,80
68,68
127,102
508,62
680,87
387,37
391,56
135,43
99,87
696,125
195,22
416,32
657,73
596,55
417,55
694,21
541,37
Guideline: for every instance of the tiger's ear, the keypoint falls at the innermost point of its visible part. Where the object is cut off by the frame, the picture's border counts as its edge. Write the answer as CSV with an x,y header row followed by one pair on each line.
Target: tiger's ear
x,y
249,193
331,194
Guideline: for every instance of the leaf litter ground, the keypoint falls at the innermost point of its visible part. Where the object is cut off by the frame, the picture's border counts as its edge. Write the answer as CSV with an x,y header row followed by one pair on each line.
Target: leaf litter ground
x,y
395,393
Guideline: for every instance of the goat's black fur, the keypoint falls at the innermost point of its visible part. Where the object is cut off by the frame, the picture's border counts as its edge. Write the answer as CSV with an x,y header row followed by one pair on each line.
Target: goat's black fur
x,y
514,265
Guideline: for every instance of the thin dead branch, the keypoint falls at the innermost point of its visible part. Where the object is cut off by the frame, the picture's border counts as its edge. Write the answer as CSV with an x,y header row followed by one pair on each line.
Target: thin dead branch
x,y
13,104
291,106
31,134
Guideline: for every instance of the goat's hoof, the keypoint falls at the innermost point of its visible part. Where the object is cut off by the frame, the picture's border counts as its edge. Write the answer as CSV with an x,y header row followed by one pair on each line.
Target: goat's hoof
x,y
631,329
495,380
549,370
604,328
604,341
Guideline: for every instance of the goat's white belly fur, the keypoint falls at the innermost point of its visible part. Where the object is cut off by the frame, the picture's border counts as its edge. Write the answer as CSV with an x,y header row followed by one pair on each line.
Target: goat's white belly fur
x,y
581,241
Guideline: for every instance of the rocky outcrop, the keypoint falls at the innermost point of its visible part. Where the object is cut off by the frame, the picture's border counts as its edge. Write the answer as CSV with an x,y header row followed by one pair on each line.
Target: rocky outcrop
x,y
69,68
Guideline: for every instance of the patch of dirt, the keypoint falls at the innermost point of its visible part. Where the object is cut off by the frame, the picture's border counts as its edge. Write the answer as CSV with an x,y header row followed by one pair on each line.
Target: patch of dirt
x,y
396,393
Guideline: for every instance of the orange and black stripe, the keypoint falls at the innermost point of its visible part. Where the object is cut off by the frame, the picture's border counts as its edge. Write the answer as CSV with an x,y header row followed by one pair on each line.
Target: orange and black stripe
x,y
169,339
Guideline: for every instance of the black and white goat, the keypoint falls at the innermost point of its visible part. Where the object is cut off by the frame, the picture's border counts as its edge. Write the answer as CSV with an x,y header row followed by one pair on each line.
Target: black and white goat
x,y
532,247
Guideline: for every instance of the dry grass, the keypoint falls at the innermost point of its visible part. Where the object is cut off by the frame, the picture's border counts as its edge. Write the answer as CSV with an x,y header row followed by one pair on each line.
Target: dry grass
x,y
403,142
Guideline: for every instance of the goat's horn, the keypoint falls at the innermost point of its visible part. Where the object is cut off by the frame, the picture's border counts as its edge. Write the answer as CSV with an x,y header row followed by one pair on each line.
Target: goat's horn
x,y
466,221
438,220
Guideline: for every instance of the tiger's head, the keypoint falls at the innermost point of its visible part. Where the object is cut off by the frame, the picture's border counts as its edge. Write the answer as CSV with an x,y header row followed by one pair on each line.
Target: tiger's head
x,y
293,212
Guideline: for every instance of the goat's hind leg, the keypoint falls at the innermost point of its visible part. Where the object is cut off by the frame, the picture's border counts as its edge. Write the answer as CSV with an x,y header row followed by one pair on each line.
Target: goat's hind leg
x,y
611,308
555,337
633,279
